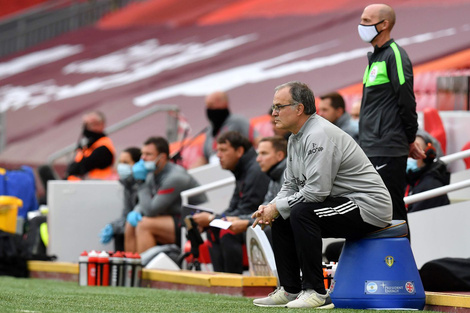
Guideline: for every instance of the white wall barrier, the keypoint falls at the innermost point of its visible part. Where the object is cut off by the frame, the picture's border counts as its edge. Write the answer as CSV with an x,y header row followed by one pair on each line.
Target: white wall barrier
x,y
77,213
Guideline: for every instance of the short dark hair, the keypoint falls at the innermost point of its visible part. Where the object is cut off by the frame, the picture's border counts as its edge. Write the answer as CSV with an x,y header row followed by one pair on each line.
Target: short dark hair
x,y
235,139
279,143
160,143
134,152
301,93
337,100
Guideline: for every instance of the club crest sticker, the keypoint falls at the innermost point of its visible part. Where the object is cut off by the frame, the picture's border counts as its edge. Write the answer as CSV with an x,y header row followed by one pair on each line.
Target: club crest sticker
x,y
389,260
373,74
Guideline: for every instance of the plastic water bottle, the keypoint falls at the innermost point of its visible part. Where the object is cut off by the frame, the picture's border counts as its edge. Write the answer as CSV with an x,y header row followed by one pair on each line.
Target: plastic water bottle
x,y
116,263
137,261
92,265
128,269
83,269
103,269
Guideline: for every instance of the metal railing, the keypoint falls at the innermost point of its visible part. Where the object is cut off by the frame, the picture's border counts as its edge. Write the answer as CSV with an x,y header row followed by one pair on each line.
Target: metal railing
x,y
51,20
436,192
455,156
171,129
185,195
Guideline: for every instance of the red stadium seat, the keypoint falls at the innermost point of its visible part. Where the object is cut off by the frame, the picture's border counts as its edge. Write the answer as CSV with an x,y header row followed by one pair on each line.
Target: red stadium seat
x,y
434,126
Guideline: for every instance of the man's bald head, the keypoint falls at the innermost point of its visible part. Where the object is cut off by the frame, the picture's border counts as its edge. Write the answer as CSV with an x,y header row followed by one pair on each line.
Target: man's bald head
x,y
217,100
383,12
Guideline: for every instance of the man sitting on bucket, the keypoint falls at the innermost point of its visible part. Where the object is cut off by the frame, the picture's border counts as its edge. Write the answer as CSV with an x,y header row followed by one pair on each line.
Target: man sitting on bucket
x,y
330,190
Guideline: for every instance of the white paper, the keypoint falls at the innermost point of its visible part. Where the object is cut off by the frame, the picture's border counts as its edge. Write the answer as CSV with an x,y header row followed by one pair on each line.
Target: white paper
x,y
220,223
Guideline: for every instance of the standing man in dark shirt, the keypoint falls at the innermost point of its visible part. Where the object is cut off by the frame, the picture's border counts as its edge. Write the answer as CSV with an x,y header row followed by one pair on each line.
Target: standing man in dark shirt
x,y
95,156
388,119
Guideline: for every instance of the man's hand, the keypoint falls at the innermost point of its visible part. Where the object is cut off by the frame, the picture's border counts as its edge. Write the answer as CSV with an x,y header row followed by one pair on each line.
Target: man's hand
x,y
203,219
239,226
416,152
265,215
134,218
139,171
106,234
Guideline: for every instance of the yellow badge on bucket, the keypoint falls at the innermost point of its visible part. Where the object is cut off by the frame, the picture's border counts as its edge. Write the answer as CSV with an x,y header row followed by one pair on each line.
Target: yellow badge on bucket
x,y
389,260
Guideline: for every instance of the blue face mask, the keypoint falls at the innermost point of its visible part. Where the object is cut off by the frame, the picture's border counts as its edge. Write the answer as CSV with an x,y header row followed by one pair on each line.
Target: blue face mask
x,y
124,170
412,165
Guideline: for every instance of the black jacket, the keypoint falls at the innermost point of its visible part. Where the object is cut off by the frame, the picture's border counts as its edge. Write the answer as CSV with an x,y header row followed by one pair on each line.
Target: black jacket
x,y
250,187
388,119
429,177
100,158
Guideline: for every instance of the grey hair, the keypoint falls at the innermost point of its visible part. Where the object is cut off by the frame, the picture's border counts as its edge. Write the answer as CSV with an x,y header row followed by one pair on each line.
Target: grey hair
x,y
300,93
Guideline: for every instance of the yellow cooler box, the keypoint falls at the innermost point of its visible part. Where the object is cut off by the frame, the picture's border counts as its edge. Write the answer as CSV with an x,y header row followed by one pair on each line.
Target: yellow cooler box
x,y
8,213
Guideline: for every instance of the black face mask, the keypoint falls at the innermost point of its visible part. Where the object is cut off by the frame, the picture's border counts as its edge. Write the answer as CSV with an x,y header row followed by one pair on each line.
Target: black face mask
x,y
217,117
90,135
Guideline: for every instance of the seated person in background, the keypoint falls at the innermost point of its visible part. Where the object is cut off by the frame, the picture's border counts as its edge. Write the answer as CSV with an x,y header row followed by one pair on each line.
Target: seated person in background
x,y
115,230
156,217
426,174
332,108
428,137
95,156
355,110
238,156
221,121
272,152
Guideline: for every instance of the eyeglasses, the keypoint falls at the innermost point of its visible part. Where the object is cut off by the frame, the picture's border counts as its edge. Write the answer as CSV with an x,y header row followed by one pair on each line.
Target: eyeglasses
x,y
277,107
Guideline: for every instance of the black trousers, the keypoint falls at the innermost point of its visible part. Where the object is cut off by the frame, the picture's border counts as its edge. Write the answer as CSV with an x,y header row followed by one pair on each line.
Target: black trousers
x,y
393,173
297,241
226,250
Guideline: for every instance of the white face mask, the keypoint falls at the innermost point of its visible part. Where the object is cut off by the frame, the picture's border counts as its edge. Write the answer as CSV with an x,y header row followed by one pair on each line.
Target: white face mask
x,y
368,32
124,170
152,165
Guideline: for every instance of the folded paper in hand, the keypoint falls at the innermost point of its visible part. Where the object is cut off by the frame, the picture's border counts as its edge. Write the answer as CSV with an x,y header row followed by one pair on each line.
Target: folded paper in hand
x,y
219,223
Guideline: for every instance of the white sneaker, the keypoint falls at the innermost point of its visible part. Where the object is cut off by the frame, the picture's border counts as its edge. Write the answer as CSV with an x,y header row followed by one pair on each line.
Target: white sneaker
x,y
311,299
277,298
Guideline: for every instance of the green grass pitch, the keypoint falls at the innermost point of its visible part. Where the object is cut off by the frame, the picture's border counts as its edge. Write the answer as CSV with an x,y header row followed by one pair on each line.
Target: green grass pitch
x,y
38,295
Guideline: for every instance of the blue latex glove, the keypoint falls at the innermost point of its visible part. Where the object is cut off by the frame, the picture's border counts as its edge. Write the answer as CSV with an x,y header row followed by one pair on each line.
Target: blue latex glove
x,y
139,171
134,218
106,234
